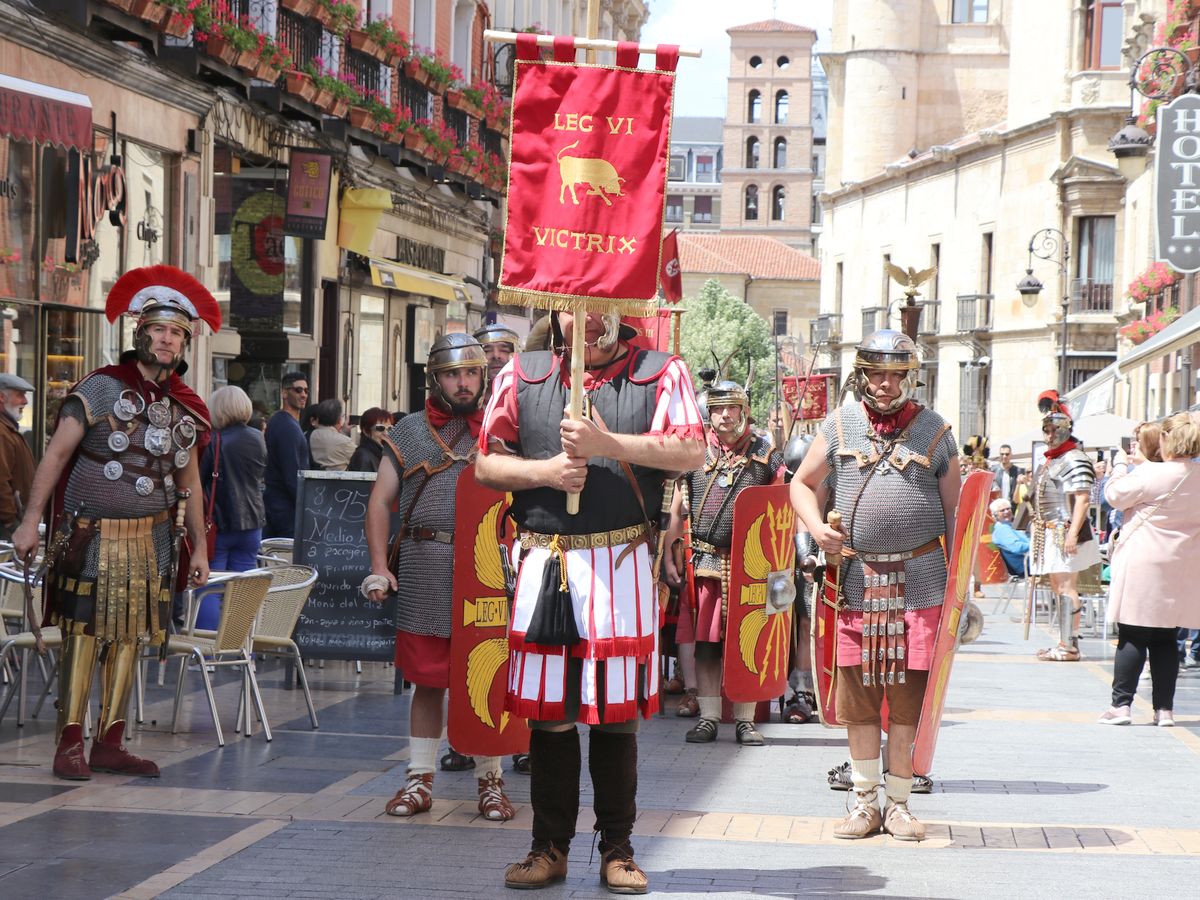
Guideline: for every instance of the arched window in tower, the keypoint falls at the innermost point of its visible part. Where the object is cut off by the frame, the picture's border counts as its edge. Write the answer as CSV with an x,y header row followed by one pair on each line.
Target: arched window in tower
x,y
777,198
781,107
780,161
754,111
751,203
752,150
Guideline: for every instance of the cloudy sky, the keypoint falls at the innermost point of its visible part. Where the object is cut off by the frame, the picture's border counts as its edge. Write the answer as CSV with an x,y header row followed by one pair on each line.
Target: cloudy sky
x,y
700,89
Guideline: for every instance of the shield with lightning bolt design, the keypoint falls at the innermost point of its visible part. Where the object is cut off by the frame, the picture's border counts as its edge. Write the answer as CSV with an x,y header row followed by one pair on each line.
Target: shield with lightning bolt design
x,y
968,525
762,588
991,567
478,724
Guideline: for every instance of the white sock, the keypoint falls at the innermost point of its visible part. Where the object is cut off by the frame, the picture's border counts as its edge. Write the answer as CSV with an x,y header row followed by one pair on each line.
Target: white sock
x,y
710,708
744,712
422,755
864,774
897,788
488,765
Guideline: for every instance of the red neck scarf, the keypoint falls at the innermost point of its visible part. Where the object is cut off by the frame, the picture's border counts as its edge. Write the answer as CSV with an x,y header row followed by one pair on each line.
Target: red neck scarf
x,y
1068,444
440,418
891,423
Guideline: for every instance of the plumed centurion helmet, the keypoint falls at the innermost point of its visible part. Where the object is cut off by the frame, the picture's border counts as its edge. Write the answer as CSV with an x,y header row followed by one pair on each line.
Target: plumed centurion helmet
x,y
161,294
1055,417
889,351
454,351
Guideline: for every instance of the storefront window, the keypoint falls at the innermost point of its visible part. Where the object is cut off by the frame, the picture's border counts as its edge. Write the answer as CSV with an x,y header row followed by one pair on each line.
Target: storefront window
x,y
60,281
106,269
18,348
371,347
16,220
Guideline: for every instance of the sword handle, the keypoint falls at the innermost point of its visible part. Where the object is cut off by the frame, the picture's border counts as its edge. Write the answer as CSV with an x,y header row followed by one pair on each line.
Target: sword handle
x,y
835,521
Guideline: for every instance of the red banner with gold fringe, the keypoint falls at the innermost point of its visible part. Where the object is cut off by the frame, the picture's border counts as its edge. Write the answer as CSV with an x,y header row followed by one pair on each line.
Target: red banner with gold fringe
x,y
587,178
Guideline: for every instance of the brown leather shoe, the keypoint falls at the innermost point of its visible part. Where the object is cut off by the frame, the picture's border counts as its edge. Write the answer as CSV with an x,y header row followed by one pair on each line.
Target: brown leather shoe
x,y
620,874
689,706
901,824
863,820
541,868
68,758
109,755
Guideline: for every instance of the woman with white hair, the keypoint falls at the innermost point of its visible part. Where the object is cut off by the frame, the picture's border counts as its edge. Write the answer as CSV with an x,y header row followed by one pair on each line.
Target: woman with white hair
x,y
233,467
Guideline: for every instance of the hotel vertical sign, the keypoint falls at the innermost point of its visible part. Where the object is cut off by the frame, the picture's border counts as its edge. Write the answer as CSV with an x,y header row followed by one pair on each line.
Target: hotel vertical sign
x,y
1177,232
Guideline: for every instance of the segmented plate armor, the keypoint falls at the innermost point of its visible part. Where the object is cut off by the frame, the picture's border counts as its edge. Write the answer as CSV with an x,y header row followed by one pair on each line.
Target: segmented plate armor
x,y
714,523
899,509
426,568
1056,478
95,496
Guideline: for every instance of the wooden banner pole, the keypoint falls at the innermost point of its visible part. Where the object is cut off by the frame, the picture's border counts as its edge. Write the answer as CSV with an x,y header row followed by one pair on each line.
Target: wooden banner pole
x,y
547,40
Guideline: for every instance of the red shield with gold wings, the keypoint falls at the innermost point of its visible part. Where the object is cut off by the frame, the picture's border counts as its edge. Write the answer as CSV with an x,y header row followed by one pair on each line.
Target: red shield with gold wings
x,y
762,588
478,724
968,525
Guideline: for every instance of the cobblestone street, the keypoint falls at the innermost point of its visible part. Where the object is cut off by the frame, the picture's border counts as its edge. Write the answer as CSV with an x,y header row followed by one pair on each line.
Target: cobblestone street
x,y
1031,798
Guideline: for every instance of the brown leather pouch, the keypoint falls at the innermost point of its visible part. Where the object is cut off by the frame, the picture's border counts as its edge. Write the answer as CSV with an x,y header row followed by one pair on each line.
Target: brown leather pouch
x,y
74,553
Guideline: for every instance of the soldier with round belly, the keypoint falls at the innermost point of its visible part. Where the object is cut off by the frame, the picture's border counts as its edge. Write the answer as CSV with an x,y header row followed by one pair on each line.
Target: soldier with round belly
x,y
895,480
124,451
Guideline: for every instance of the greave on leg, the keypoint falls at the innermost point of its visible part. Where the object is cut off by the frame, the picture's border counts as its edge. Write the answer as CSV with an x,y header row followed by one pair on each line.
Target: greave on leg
x,y
612,762
1066,621
75,680
555,763
117,670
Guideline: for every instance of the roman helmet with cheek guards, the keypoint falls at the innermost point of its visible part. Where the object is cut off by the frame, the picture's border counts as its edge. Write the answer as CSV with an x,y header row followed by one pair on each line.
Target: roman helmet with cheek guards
x,y
1056,417
161,294
729,393
889,351
456,350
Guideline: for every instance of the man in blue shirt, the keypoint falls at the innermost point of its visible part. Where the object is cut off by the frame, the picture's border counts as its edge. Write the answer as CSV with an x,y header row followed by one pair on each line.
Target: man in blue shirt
x,y
287,453
1012,544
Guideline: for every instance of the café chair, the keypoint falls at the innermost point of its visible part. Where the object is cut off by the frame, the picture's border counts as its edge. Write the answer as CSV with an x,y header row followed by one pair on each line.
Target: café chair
x,y
290,587
227,647
12,586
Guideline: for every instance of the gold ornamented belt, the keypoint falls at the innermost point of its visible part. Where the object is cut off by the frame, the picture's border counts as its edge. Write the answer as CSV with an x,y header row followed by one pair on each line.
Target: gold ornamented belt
x,y
699,546
530,539
156,519
929,547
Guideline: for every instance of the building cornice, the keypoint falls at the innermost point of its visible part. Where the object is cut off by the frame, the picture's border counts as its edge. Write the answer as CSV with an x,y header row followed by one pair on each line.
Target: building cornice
x,y
95,57
948,155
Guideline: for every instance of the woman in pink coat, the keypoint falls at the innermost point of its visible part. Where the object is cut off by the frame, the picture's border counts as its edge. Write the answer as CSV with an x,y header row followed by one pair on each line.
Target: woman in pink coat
x,y
1155,567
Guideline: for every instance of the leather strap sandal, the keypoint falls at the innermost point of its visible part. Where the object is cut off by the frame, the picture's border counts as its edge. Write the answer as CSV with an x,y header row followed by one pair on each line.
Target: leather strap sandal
x,y
415,797
456,762
493,804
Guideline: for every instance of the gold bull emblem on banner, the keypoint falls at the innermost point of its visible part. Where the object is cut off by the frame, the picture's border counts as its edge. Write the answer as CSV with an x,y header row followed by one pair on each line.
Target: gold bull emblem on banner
x,y
598,174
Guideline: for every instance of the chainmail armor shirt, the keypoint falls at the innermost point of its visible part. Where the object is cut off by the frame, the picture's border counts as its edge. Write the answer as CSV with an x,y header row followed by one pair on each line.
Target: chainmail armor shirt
x,y
426,568
714,523
93,495
900,507
1056,479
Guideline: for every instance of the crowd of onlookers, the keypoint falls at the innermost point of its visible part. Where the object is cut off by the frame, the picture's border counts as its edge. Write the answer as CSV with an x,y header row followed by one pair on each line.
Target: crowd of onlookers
x,y
249,471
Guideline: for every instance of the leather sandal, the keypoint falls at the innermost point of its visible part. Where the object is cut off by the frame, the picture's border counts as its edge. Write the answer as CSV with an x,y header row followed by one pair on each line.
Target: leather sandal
x,y
543,867
415,797
521,763
674,685
493,804
748,735
620,874
1060,653
456,762
689,706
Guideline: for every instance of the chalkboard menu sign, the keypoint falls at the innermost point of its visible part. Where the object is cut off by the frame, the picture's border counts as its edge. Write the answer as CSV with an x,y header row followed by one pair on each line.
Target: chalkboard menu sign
x,y
338,622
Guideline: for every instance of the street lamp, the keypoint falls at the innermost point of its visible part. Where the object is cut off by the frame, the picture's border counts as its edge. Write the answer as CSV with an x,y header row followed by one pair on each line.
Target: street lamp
x,y
1050,244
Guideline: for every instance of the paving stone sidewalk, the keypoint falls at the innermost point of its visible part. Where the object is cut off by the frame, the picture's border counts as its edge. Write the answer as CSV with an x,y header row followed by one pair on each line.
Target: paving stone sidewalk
x,y
1031,799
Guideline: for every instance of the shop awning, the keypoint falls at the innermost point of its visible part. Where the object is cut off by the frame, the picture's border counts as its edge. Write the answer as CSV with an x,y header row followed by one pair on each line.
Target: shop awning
x,y
1181,333
399,277
1096,395
39,113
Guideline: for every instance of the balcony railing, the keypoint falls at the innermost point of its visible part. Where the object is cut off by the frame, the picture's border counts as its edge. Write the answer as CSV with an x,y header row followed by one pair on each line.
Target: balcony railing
x,y
1089,296
415,96
873,318
300,36
456,119
366,70
826,329
974,313
674,214
931,317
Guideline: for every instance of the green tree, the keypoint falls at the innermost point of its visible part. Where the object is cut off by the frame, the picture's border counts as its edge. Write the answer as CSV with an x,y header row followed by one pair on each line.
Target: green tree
x,y
716,322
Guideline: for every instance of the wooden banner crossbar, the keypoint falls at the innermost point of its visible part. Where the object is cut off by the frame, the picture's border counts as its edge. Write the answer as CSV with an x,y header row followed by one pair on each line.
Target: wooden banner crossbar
x,y
547,40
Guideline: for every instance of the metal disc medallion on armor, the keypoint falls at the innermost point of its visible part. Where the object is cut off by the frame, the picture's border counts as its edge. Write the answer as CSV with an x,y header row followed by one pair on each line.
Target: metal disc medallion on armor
x,y
124,409
144,486
159,413
113,470
185,432
157,441
181,458
118,441
168,482
723,480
